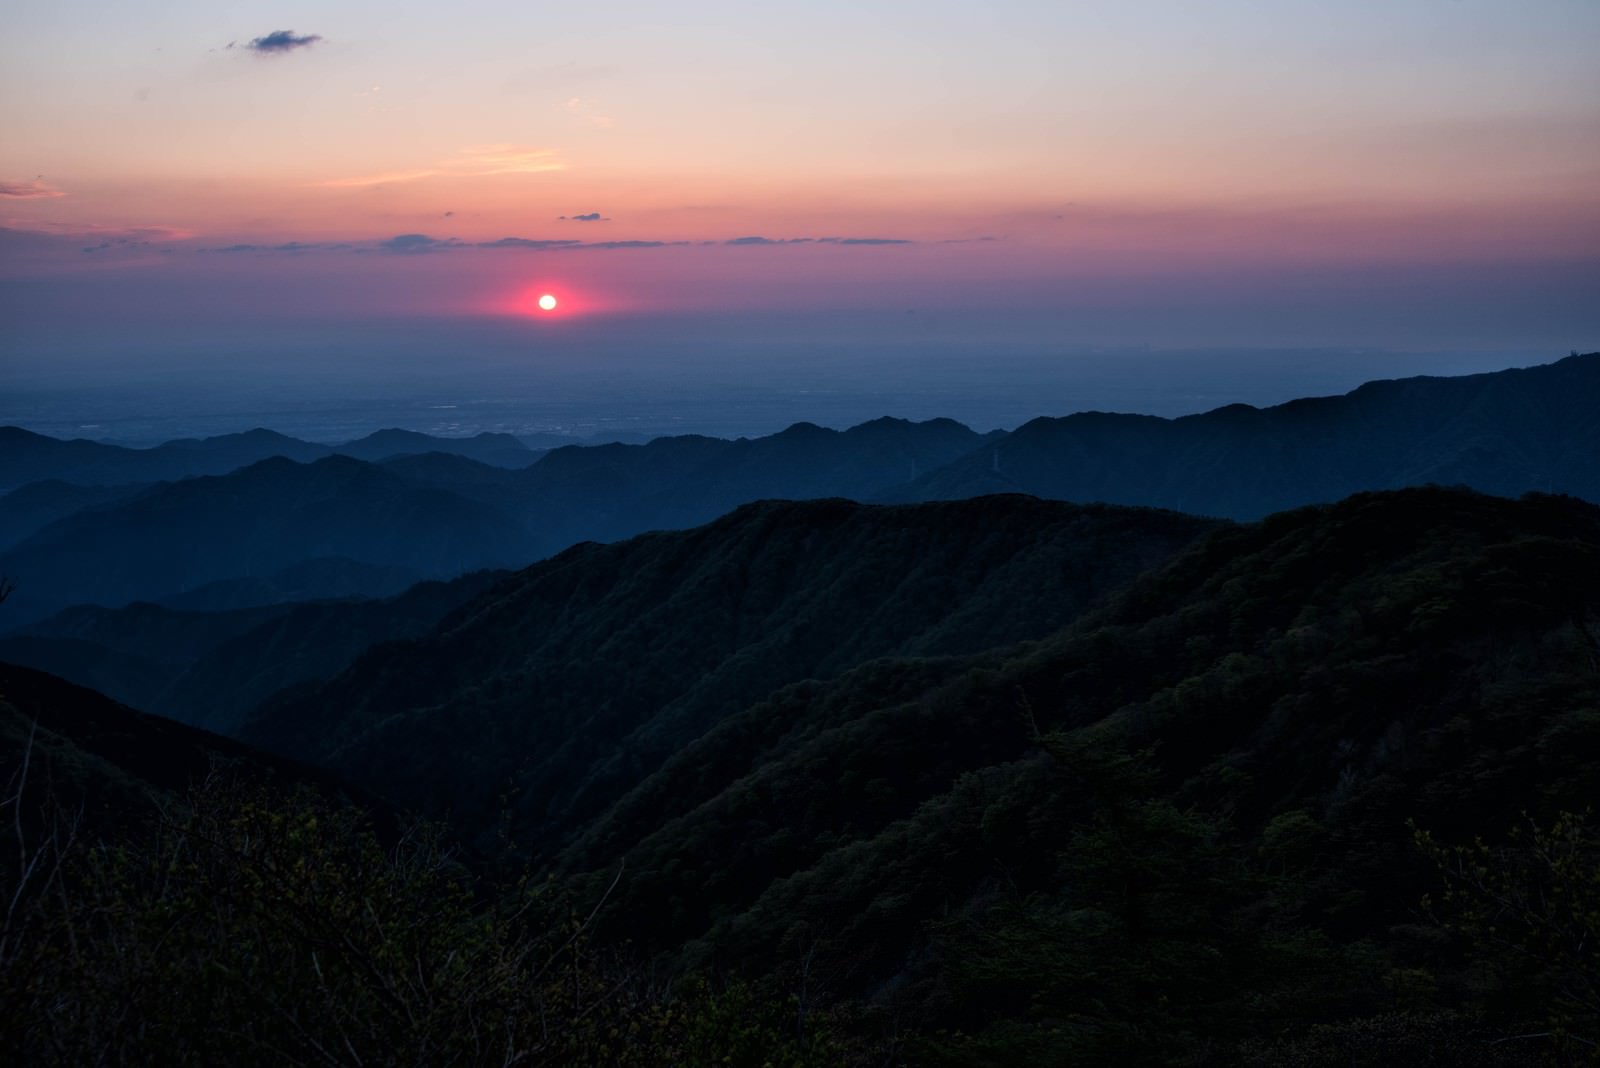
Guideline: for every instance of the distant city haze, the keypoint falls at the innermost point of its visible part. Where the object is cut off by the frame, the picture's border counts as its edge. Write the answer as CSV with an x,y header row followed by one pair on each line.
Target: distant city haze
x,y
642,377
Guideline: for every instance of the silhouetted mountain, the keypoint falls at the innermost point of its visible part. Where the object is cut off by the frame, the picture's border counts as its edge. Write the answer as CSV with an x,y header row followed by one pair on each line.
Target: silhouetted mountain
x,y
573,494
252,523
28,457
1506,433
608,492
498,450
208,668
319,579
105,764
1205,816
38,504
132,654
583,673
1179,820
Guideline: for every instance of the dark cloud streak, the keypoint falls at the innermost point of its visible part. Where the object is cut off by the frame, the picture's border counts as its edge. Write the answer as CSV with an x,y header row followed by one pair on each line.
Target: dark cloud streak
x,y
416,244
281,42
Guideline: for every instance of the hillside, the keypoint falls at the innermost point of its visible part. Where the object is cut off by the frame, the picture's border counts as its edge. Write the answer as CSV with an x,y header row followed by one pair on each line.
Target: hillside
x,y
28,457
278,531
946,830
566,684
253,524
984,782
1245,732
1506,433
208,668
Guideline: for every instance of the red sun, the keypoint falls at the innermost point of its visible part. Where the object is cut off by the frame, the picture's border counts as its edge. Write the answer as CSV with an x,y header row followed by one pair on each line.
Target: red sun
x,y
549,300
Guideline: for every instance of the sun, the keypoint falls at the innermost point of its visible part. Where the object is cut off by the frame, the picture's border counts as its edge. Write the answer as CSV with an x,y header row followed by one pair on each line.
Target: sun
x,y
547,302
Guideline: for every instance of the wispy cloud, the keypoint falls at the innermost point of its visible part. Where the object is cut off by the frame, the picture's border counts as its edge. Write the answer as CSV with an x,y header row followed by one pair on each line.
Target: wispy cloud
x,y
590,112
533,243
475,162
281,42
414,244
28,191
377,179
593,216
507,159
755,240
78,231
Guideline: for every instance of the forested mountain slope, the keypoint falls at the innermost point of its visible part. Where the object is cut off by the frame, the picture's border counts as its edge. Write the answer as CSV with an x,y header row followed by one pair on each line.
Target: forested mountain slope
x,y
562,687
1182,818
1205,813
210,668
255,522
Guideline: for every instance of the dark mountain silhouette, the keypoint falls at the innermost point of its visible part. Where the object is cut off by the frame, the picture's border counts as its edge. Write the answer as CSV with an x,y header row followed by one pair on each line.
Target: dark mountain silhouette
x,y
105,764
38,504
1505,433
579,675
953,770
209,668
1243,732
28,457
255,523
246,528
497,450
319,579
614,491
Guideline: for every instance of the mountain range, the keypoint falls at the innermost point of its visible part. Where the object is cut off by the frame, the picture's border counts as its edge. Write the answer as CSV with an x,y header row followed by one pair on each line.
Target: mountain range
x,y
978,782
302,524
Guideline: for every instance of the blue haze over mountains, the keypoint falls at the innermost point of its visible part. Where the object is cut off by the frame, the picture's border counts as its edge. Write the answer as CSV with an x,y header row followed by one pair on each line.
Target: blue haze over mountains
x,y
260,517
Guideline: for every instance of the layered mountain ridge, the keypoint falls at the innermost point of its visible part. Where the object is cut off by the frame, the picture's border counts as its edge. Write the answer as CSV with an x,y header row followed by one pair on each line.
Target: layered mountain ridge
x,y
436,514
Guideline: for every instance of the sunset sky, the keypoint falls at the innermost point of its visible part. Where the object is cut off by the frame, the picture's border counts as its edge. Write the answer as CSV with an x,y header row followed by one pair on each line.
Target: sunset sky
x,y
1415,172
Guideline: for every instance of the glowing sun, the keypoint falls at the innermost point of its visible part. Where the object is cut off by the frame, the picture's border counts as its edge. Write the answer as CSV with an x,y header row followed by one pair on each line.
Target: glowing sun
x,y
547,302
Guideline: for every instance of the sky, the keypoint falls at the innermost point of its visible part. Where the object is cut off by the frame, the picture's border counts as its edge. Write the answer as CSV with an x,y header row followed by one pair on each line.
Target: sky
x,y
1410,175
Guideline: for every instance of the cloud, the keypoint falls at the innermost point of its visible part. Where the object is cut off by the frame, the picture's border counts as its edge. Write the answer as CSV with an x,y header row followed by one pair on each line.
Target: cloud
x,y
287,246
593,216
377,179
412,244
536,244
118,242
475,162
630,244
416,243
27,191
506,159
281,42
587,110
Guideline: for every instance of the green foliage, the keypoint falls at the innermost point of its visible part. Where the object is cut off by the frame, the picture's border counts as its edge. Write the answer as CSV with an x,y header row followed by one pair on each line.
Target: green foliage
x,y
1529,910
1173,832
248,927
